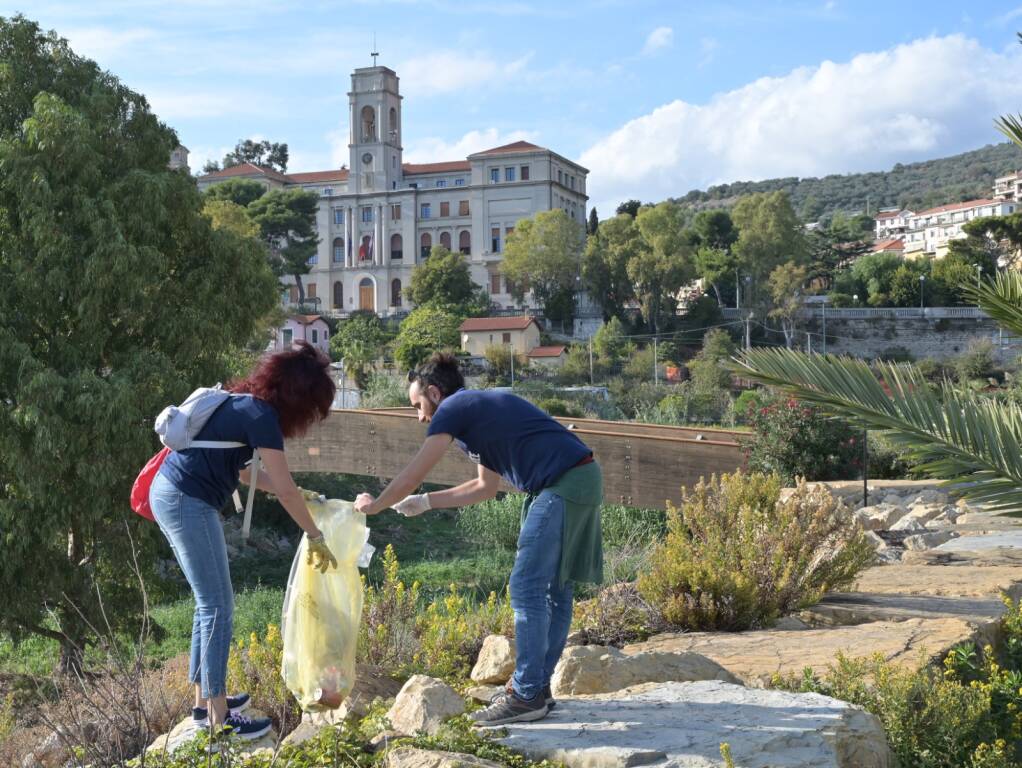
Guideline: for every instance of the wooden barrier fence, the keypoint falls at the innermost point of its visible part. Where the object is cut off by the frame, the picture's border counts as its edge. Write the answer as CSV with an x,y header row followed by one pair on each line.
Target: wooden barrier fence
x,y
644,465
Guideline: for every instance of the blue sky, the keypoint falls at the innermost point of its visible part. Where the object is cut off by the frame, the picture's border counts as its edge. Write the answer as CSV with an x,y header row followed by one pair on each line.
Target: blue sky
x,y
656,98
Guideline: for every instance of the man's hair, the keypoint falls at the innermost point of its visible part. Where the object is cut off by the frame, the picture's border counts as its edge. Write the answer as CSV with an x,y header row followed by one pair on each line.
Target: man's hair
x,y
441,371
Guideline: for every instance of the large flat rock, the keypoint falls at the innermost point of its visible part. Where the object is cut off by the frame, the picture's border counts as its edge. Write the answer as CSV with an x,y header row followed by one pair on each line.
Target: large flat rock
x,y
1007,556
186,731
979,542
961,581
755,657
682,725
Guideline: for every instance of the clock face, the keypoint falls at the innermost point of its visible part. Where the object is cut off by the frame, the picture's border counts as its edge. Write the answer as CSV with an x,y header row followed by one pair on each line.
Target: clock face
x,y
367,158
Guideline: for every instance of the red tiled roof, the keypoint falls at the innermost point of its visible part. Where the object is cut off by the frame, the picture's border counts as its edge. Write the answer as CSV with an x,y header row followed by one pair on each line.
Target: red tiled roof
x,y
515,146
340,174
411,169
307,319
514,323
957,206
547,352
246,169
894,244
887,214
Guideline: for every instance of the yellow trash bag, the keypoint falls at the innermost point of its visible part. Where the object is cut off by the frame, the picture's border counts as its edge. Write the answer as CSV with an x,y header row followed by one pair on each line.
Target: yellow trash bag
x,y
322,611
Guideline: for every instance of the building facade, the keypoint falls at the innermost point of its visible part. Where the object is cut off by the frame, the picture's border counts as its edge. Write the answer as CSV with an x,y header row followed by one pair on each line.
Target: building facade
x,y
379,217
1009,187
929,232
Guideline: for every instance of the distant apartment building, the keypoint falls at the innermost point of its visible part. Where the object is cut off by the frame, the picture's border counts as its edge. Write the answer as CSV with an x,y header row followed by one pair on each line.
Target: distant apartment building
x,y
1008,188
929,232
891,223
380,216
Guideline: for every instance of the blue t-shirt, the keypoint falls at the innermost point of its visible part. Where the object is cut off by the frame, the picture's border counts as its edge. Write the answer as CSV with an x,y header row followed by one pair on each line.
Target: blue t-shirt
x,y
211,474
508,435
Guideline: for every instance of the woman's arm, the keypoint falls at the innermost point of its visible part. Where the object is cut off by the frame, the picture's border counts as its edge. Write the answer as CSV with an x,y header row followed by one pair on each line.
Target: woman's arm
x,y
265,484
283,485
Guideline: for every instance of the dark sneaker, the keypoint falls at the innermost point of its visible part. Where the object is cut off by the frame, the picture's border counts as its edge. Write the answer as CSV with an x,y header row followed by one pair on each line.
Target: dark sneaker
x,y
508,708
235,706
247,727
551,702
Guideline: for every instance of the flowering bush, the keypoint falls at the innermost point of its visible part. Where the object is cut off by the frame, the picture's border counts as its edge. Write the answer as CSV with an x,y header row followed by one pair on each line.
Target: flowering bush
x,y
794,439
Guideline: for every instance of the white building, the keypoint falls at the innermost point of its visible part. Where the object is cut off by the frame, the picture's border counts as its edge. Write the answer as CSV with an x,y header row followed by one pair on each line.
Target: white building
x,y
380,218
1009,187
891,222
930,231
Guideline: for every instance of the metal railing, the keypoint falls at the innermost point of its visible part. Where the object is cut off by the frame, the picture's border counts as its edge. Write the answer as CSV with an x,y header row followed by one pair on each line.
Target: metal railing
x,y
848,313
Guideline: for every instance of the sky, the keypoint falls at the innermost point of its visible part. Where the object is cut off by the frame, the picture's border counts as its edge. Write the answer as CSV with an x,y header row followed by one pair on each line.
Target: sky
x,y
654,97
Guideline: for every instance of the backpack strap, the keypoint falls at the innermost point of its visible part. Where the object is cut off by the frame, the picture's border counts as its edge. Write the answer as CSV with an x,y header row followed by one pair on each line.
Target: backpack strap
x,y
254,477
215,444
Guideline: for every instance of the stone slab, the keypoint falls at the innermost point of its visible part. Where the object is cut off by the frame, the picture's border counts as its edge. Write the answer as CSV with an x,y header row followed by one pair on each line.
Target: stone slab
x,y
982,541
682,725
755,657
961,581
1006,556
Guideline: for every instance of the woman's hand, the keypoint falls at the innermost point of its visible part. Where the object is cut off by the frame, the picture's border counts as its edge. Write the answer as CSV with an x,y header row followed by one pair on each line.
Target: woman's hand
x,y
319,555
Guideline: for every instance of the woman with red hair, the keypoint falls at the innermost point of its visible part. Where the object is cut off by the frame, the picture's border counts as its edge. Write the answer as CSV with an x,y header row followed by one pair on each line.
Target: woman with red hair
x,y
283,396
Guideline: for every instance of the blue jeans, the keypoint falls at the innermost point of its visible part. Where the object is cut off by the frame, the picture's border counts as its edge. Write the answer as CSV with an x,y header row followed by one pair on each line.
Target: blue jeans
x,y
196,535
542,608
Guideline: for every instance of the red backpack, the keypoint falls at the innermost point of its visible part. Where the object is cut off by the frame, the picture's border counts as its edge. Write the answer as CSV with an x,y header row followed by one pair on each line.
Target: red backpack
x,y
140,489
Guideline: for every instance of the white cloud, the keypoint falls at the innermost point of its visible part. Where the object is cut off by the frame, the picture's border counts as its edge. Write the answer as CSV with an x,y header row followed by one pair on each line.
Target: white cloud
x,y
707,50
104,44
659,38
924,99
450,71
432,150
187,104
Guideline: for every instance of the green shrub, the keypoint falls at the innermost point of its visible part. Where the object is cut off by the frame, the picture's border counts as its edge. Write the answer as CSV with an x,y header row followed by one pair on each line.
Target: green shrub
x,y
382,390
746,402
977,362
556,406
794,439
896,354
386,635
616,615
737,558
494,523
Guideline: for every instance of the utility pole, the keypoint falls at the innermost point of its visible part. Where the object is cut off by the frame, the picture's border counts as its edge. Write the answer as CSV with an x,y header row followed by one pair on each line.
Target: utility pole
x,y
824,327
590,360
656,377
738,291
512,348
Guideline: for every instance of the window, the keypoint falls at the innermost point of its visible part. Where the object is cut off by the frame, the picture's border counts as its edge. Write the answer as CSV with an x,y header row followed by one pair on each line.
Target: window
x,y
338,295
367,214
494,282
393,162
571,181
509,174
313,259
287,337
507,233
560,178
338,250
292,292
396,246
495,240
494,175
339,216
395,293
465,242
315,336
445,240
328,191
365,250
506,338
463,208
459,182
311,293
425,245
445,210
395,212
368,124
424,211
525,173
441,182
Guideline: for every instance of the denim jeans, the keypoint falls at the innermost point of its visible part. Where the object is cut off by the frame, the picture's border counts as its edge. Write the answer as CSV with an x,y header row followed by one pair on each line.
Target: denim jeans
x,y
196,535
542,608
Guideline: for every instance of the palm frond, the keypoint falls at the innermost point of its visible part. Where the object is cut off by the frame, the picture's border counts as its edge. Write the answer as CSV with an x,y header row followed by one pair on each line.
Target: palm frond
x,y
969,441
1010,126
1001,298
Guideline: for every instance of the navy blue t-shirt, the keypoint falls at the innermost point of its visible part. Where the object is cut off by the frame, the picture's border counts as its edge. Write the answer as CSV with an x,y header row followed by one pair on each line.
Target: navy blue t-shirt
x,y
211,474
508,435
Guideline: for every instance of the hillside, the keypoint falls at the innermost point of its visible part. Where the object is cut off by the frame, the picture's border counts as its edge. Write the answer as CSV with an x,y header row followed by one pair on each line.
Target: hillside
x,y
915,185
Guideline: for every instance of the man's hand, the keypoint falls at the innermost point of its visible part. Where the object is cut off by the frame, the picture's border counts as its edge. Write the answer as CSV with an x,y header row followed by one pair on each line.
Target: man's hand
x,y
413,505
319,555
364,502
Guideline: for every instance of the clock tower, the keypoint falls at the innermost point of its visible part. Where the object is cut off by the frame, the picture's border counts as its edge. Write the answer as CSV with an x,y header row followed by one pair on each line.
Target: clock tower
x,y
375,119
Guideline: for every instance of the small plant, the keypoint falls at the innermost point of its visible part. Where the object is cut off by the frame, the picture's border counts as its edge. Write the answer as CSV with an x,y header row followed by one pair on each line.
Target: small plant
x,y
387,631
254,666
617,615
736,557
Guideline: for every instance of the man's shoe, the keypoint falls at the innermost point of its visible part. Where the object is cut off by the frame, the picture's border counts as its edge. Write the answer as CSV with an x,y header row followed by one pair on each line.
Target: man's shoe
x,y
235,706
508,708
247,728
551,702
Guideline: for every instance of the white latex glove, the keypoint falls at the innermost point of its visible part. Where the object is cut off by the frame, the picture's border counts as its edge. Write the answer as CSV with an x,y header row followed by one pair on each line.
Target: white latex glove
x,y
413,505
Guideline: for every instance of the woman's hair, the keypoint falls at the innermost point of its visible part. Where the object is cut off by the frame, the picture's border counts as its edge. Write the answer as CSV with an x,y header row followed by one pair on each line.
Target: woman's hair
x,y
441,371
296,382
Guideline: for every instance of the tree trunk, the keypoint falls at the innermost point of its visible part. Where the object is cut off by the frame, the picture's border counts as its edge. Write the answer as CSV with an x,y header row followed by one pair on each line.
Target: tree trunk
x,y
716,290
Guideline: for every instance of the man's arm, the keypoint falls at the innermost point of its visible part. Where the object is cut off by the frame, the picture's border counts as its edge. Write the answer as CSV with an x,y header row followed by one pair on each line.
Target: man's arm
x,y
409,478
483,487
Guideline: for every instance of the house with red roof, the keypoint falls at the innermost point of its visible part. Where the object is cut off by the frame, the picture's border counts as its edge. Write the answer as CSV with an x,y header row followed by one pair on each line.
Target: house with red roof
x,y
548,357
379,216
310,328
519,331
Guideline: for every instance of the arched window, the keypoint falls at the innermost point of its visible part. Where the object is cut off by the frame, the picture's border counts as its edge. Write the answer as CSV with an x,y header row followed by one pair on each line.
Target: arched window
x,y
338,295
338,250
392,123
395,293
396,244
366,299
465,242
425,244
445,240
368,123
